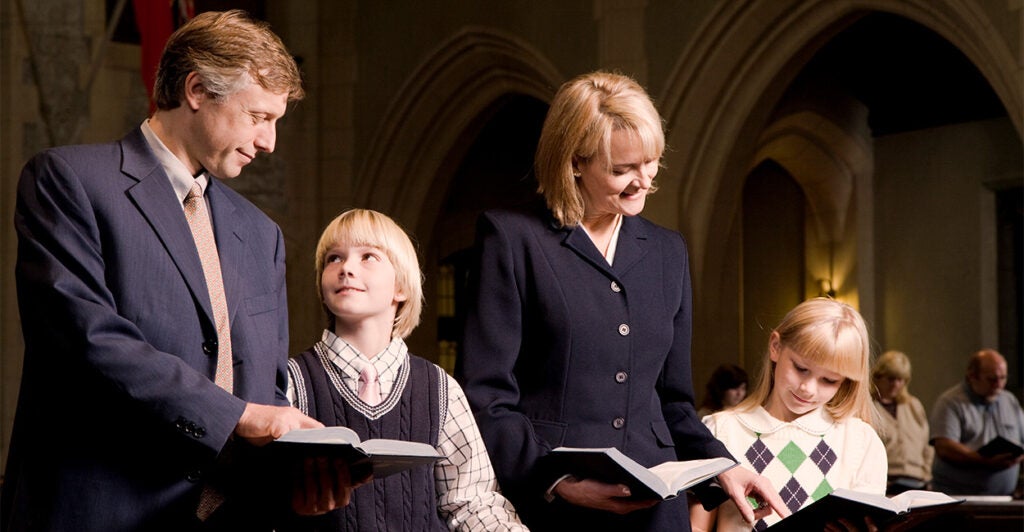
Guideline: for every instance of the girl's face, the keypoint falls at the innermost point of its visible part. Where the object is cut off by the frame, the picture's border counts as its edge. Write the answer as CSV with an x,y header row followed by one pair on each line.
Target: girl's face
x,y
733,396
623,189
800,386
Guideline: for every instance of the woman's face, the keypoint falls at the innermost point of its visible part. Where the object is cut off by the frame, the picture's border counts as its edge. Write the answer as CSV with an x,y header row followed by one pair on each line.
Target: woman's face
x,y
733,396
623,188
889,387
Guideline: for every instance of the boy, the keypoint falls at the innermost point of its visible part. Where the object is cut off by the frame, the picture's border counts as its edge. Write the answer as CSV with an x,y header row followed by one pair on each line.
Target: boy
x,y
361,375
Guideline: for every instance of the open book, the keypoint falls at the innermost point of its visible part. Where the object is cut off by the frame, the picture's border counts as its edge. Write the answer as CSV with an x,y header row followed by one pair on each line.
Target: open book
x,y
853,506
385,457
663,481
1000,445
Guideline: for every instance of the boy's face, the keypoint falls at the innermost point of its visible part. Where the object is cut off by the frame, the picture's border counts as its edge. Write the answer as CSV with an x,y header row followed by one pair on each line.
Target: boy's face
x,y
358,286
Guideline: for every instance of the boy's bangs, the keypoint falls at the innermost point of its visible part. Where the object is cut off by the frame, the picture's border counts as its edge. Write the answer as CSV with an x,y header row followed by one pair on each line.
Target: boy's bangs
x,y
358,231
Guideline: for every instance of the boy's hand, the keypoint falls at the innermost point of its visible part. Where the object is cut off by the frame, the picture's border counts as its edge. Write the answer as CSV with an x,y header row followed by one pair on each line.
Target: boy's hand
x,y
323,484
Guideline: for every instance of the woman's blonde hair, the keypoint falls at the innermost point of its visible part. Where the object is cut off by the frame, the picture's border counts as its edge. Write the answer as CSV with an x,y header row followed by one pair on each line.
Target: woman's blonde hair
x,y
830,334
583,115
892,364
228,50
364,227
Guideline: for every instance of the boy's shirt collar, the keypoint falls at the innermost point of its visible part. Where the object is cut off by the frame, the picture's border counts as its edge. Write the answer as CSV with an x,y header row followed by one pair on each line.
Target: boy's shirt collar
x,y
350,361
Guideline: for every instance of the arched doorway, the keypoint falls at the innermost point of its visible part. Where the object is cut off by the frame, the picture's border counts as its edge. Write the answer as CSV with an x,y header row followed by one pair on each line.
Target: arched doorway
x,y
752,97
495,171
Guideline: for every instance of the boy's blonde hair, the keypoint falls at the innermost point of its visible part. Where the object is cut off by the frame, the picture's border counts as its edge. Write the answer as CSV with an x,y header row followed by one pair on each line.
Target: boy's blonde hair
x,y
830,334
583,115
893,364
364,227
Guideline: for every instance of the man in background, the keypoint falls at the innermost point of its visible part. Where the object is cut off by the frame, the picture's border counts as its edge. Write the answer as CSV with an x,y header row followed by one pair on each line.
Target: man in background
x,y
966,417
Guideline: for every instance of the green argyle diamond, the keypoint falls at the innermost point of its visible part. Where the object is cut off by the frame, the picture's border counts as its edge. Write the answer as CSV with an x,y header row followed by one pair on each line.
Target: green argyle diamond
x,y
823,489
791,456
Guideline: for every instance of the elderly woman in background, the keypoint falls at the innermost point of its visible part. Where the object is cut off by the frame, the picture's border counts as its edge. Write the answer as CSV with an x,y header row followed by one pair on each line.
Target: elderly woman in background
x,y
902,424
578,327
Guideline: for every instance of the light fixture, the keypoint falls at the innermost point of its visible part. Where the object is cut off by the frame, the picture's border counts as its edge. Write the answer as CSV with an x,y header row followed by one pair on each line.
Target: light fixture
x,y
825,286
825,289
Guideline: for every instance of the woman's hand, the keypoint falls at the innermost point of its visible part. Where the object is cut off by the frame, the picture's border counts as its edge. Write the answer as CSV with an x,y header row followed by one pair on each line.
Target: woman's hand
x,y
740,483
589,493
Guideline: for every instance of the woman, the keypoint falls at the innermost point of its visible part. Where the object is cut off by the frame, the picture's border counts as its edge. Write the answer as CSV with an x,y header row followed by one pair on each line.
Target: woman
x,y
578,327
725,389
902,424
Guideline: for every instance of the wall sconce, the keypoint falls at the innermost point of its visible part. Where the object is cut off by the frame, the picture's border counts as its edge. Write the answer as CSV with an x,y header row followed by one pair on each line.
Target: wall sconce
x,y
825,288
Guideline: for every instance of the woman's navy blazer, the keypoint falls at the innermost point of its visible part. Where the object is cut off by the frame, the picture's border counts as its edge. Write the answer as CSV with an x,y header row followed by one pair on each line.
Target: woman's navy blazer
x,y
562,349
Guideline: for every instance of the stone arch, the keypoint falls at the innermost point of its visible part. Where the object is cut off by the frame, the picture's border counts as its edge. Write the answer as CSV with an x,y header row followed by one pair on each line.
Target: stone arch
x,y
443,99
717,99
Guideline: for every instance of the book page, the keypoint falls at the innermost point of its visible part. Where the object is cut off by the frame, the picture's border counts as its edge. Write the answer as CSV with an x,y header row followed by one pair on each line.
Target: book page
x,y
321,435
872,499
681,475
920,498
397,448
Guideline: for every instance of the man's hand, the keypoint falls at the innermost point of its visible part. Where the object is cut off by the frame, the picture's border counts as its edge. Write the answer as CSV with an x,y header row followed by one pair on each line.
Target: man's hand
x,y
1001,461
323,484
613,498
261,424
740,483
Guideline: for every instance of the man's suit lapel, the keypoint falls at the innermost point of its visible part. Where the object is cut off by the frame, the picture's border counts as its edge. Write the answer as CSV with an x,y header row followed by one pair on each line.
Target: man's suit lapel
x,y
156,200
228,230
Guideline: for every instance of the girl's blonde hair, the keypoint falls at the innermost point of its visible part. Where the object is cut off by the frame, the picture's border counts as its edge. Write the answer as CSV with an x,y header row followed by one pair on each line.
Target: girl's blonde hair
x,y
579,125
364,227
892,364
832,335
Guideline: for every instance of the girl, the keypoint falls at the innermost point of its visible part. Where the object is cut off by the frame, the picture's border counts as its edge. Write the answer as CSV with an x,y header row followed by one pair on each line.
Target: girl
x,y
806,425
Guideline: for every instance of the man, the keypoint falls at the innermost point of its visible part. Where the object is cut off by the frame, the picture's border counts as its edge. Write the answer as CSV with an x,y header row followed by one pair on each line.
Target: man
x,y
969,415
126,314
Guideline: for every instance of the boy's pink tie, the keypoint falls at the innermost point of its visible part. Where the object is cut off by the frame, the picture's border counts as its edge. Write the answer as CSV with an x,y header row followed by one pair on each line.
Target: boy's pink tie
x,y
369,385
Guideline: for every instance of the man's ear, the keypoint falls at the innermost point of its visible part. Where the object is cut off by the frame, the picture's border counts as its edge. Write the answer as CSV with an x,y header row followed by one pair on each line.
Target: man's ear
x,y
195,91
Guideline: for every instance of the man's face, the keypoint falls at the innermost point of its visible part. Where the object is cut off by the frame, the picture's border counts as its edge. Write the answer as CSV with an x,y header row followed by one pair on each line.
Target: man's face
x,y
226,135
990,379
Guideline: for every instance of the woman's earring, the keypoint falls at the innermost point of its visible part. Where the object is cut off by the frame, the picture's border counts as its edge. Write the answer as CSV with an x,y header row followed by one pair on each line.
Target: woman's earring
x,y
576,175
